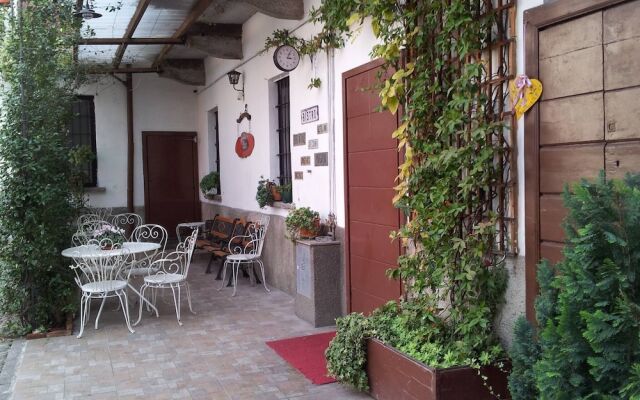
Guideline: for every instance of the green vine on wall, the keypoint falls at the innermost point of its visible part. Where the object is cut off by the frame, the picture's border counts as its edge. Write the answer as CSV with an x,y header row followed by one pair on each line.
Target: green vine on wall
x,y
454,281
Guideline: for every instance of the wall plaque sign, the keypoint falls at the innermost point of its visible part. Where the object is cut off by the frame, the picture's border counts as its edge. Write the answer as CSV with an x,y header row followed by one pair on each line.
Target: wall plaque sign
x,y
300,139
322,128
310,114
306,160
313,144
297,175
321,159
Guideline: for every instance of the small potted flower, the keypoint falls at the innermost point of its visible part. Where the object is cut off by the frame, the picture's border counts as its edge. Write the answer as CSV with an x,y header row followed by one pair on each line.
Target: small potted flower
x,y
302,223
264,193
209,184
109,236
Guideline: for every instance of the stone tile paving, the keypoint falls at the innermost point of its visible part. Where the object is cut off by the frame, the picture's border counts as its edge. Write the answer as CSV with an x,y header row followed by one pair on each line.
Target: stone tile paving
x,y
217,354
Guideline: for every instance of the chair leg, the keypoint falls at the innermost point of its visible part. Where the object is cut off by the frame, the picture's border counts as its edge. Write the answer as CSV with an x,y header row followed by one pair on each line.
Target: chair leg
x,y
122,296
235,268
104,299
208,270
189,298
83,314
224,274
264,279
87,310
176,302
142,290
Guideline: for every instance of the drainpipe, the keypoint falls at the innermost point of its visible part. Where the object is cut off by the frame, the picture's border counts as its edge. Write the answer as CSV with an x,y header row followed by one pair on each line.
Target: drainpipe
x,y
331,127
129,85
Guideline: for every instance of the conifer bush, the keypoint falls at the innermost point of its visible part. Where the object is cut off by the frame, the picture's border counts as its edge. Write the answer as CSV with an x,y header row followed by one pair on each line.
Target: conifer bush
x,y
588,310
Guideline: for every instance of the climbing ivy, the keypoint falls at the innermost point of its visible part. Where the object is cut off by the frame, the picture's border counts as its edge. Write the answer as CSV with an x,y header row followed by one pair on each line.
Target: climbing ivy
x,y
447,183
37,178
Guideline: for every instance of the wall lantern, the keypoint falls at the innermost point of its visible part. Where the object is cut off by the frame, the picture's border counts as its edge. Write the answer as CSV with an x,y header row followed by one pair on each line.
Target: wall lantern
x,y
87,12
234,79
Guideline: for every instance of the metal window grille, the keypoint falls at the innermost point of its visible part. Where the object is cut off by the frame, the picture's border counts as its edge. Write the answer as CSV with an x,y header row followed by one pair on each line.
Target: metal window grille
x,y
217,133
83,133
284,130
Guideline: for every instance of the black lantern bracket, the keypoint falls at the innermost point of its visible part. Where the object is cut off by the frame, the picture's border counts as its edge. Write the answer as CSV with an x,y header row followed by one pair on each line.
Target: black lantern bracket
x,y
234,79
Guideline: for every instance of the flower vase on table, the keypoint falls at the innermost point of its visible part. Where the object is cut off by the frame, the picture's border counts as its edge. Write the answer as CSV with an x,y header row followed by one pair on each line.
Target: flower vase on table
x,y
109,236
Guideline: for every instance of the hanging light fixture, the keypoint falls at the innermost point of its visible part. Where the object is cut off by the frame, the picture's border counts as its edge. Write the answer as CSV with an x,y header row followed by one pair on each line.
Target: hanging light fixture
x,y
234,78
87,12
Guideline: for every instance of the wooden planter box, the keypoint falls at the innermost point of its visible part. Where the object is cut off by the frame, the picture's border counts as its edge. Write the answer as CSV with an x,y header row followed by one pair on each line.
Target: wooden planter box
x,y
396,376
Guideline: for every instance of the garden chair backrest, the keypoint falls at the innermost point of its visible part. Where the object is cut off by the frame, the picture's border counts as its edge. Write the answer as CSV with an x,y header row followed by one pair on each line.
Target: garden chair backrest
x,y
152,233
110,267
177,262
127,221
84,218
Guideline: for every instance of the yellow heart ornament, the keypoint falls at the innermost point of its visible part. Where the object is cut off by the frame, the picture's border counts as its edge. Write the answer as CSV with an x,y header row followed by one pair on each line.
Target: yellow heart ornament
x,y
524,93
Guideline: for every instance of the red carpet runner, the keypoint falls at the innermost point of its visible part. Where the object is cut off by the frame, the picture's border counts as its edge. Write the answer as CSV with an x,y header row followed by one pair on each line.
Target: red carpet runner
x,y
306,354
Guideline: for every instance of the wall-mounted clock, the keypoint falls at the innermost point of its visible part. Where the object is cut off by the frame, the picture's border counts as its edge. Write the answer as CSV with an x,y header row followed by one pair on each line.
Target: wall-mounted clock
x,y
286,58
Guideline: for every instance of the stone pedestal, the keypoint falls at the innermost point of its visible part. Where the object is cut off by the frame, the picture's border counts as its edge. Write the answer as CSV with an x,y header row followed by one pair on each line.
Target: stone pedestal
x,y
318,281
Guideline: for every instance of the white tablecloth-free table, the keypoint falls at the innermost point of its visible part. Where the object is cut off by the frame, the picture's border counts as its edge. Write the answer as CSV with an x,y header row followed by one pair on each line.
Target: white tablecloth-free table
x,y
94,251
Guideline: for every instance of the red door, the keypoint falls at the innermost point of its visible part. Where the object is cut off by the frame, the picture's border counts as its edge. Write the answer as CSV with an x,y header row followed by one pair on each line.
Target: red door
x,y
170,178
371,162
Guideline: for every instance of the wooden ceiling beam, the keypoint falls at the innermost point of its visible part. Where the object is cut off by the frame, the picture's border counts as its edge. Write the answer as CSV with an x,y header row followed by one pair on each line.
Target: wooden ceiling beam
x,y
123,70
127,42
198,9
131,28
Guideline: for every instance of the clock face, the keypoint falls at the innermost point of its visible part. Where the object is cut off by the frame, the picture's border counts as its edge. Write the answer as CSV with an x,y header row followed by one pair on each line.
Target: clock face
x,y
286,58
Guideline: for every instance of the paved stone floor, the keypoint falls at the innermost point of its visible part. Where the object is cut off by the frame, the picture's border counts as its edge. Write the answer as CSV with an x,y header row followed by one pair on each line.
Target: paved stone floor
x,y
217,354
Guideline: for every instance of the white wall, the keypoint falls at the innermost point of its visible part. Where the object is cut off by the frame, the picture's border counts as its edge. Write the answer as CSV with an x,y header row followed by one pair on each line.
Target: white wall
x,y
239,177
159,105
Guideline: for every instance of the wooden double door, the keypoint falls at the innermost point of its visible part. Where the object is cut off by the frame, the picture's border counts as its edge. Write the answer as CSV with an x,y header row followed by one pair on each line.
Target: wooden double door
x,y
587,56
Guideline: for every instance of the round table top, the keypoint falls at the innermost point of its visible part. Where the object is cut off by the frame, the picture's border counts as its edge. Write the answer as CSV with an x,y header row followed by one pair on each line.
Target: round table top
x,y
93,251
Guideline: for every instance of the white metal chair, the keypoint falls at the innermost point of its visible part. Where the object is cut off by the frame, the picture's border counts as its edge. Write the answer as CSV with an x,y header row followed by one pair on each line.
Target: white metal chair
x,y
126,221
101,278
246,250
84,218
171,273
148,233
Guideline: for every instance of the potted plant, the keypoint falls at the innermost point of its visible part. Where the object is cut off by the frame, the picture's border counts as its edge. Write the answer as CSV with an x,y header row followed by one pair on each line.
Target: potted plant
x,y
209,184
108,236
302,223
287,194
264,194
275,191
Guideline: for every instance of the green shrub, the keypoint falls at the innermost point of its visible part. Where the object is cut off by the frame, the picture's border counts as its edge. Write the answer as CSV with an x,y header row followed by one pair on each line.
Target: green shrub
x,y
37,178
588,309
209,182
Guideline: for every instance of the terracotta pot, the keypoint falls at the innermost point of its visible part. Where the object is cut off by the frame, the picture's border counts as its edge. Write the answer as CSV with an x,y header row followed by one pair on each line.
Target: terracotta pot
x,y
275,193
309,234
387,366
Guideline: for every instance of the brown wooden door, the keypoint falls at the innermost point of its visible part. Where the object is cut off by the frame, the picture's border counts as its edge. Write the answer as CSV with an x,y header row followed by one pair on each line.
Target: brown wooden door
x,y
170,178
588,119
371,163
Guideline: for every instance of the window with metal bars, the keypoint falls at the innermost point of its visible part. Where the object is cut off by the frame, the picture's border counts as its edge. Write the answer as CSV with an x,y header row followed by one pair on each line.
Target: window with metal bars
x,y
284,137
214,143
83,133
